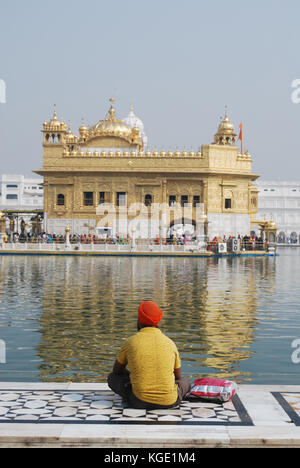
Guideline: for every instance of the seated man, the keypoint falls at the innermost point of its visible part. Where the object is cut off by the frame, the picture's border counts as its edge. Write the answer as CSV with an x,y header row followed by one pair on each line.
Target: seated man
x,y
154,376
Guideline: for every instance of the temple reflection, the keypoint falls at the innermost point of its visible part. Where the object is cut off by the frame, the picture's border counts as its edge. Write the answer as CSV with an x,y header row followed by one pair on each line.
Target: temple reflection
x,y
89,307
77,311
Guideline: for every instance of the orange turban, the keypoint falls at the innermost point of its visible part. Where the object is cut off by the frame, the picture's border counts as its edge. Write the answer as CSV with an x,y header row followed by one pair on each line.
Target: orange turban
x,y
149,314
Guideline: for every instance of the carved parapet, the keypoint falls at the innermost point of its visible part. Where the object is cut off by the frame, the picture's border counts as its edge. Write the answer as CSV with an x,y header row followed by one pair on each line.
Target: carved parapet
x,y
244,157
136,154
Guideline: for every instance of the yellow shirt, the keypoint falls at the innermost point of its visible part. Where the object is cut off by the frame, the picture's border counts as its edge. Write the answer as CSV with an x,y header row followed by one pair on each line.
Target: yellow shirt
x,y
151,358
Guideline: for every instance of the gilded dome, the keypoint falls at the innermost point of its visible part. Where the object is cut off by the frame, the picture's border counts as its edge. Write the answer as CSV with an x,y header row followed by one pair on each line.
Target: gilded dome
x,y
271,224
111,126
83,129
226,126
225,134
70,137
55,122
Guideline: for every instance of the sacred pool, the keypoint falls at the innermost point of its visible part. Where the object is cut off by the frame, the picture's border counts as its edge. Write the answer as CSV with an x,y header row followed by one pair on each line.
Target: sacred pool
x,y
64,318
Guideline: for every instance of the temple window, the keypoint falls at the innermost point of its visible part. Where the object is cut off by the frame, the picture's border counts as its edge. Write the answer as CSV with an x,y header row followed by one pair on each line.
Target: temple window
x,y
184,200
121,198
172,200
148,200
101,198
196,201
227,203
88,198
60,200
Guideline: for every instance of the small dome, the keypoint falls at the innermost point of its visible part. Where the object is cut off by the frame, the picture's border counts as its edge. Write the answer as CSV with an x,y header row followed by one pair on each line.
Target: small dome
x,y
225,134
83,129
55,122
226,126
70,136
271,224
134,122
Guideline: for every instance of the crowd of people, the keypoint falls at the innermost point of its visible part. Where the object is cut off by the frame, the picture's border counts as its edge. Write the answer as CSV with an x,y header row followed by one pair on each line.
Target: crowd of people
x,y
245,242
50,238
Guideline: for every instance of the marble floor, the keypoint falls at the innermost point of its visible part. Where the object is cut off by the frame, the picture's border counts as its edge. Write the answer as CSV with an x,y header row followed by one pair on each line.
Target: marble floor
x,y
104,407
290,402
75,415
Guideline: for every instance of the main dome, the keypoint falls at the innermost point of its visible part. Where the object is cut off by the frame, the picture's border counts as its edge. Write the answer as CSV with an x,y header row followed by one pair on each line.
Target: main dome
x,y
111,132
111,126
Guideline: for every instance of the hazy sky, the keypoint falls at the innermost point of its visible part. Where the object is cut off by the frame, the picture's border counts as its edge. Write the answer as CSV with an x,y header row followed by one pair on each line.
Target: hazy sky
x,y
178,62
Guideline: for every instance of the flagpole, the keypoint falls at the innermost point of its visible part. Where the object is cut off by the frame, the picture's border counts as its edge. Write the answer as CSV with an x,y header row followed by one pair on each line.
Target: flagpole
x,y
241,138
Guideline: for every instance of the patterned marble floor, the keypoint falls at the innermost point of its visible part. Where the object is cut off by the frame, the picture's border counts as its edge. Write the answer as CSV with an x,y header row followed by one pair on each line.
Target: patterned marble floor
x,y
104,407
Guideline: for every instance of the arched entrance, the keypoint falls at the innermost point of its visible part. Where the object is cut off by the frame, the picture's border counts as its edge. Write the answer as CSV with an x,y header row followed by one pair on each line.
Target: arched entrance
x,y
281,238
294,238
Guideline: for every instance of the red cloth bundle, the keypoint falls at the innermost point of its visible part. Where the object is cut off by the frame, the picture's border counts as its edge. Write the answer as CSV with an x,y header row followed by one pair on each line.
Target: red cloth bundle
x,y
213,389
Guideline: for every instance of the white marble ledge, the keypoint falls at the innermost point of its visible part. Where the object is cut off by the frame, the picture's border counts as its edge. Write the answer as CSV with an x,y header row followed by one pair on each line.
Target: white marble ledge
x,y
129,436
264,436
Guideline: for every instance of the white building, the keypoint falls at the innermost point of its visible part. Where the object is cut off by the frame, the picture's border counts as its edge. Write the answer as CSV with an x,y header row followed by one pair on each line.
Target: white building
x,y
20,193
133,121
21,196
281,202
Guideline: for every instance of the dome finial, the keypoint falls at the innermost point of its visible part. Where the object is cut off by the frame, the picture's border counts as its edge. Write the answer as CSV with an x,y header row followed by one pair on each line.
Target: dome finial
x,y
54,113
55,121
69,128
112,109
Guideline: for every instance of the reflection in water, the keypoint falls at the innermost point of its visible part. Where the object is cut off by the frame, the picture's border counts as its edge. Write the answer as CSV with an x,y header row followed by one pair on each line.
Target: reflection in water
x,y
65,318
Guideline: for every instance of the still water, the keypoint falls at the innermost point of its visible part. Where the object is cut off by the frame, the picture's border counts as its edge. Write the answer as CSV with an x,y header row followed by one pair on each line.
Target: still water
x,y
65,318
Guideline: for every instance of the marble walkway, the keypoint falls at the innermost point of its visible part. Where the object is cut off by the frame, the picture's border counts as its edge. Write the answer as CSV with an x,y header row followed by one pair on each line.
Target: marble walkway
x,y
90,415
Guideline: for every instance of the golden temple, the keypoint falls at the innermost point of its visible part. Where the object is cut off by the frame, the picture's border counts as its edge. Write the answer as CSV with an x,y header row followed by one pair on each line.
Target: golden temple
x,y
109,164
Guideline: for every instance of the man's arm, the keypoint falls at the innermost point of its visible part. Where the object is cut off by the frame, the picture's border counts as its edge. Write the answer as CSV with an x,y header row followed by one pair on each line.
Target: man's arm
x,y
120,368
177,373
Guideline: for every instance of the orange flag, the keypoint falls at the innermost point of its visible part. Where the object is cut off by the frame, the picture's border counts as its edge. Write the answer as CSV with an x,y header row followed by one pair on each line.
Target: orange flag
x,y
241,137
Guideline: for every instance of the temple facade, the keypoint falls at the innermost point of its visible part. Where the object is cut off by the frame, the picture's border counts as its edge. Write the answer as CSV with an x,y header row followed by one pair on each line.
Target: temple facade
x,y
106,178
